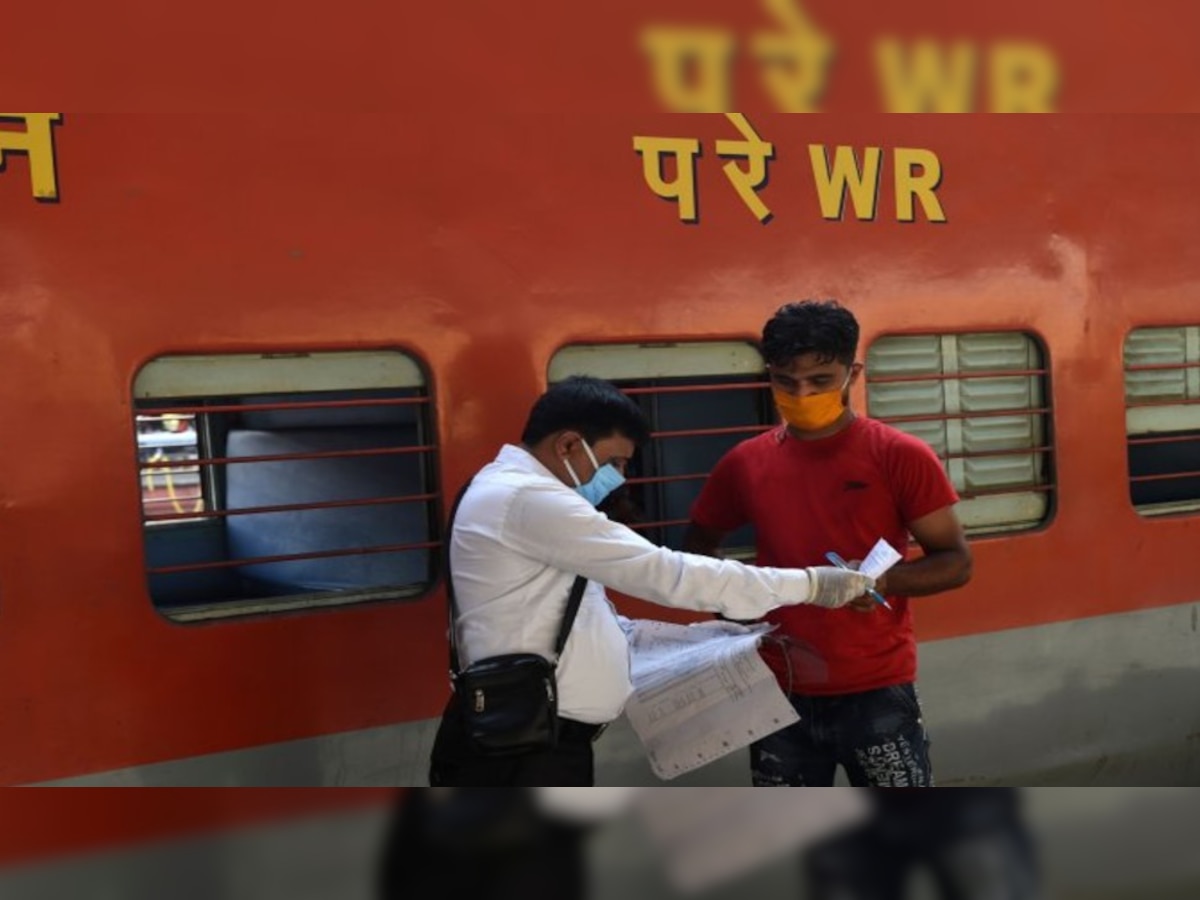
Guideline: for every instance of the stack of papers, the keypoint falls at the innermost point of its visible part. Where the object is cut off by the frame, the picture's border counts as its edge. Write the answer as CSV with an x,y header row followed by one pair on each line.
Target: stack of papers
x,y
701,692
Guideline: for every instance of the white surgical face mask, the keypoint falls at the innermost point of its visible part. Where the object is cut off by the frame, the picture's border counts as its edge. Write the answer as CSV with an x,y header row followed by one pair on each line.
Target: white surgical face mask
x,y
603,482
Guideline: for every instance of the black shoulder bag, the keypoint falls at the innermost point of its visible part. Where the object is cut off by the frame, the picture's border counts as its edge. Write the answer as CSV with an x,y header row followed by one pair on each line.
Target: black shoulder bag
x,y
508,703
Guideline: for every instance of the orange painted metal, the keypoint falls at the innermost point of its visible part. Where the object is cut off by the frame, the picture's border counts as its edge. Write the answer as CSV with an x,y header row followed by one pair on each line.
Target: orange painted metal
x,y
481,240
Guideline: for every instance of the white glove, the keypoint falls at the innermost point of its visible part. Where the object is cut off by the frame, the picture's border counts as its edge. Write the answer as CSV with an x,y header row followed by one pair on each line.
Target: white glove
x,y
833,588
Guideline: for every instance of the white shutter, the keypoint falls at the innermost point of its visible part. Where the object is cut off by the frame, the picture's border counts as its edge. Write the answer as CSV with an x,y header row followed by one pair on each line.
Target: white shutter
x,y
1175,395
981,448
1157,347
620,362
241,374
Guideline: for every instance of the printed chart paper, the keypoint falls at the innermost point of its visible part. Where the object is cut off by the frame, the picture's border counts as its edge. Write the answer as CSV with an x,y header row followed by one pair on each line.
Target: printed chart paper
x,y
701,692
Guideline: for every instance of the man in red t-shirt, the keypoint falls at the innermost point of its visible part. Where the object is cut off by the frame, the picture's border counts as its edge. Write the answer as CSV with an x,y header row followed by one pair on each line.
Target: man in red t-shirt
x,y
830,480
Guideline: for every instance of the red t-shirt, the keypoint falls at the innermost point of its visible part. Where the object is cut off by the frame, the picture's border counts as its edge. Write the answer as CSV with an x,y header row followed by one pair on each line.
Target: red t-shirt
x,y
841,493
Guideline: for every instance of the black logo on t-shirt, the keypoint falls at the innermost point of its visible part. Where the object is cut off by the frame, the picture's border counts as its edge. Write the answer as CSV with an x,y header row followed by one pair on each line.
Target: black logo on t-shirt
x,y
856,485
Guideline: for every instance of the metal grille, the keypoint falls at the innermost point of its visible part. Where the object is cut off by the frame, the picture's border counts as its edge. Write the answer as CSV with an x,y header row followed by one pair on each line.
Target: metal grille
x,y
1162,399
282,500
980,401
701,398
694,421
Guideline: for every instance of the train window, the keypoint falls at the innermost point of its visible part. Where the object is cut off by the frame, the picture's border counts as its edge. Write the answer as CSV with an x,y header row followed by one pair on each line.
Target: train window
x,y
980,401
701,399
284,481
1162,419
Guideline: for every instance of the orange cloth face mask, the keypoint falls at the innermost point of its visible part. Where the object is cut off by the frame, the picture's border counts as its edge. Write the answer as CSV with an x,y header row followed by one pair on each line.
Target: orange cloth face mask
x,y
814,412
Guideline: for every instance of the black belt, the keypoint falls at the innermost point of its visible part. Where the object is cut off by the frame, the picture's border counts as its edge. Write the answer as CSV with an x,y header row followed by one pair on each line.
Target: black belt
x,y
579,732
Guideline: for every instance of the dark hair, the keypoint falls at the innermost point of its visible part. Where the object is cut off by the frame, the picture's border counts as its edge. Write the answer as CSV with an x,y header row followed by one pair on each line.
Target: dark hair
x,y
594,408
822,327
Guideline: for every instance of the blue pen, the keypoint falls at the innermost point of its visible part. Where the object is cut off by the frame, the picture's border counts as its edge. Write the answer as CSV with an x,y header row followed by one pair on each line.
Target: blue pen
x,y
842,564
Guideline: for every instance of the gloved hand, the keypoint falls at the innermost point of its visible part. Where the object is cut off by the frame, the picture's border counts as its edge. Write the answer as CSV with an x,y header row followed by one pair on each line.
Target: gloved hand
x,y
833,588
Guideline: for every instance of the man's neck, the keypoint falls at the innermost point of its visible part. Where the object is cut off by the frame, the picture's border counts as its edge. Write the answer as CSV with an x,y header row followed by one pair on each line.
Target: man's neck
x,y
843,422
544,454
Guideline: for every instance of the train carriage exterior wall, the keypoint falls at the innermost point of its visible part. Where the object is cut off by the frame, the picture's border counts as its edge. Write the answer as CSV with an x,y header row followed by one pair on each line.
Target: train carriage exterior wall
x,y
480,246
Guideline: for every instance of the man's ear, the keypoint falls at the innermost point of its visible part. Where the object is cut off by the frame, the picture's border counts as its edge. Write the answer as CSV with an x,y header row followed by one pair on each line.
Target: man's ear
x,y
564,443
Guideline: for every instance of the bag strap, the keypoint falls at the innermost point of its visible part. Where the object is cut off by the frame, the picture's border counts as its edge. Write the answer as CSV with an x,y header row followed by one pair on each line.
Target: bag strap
x,y
574,599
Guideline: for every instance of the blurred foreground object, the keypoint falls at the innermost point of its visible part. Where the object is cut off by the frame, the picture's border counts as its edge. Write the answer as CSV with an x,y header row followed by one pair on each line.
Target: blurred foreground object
x,y
585,805
710,835
972,842
479,844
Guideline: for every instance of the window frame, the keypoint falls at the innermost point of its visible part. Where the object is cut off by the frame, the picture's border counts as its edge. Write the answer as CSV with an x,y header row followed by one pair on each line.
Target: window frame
x,y
954,461
1148,423
148,387
657,360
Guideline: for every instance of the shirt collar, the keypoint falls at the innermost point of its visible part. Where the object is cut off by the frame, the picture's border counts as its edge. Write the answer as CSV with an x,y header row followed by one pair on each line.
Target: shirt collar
x,y
514,457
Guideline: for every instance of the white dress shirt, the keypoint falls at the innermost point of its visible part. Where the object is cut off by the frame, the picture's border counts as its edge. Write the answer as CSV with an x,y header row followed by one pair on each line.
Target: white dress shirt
x,y
520,538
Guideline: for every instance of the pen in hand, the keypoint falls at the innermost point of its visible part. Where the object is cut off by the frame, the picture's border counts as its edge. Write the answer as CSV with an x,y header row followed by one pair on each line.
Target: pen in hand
x,y
842,564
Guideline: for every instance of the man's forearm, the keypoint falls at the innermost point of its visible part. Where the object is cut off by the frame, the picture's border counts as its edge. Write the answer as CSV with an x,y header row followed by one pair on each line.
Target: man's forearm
x,y
943,570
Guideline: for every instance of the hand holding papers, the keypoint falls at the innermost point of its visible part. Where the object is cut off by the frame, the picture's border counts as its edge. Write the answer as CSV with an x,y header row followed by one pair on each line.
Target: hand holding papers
x,y
881,558
833,587
701,692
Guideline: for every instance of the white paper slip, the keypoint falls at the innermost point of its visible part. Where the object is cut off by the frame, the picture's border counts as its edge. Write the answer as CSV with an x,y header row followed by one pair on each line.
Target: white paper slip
x,y
701,692
881,558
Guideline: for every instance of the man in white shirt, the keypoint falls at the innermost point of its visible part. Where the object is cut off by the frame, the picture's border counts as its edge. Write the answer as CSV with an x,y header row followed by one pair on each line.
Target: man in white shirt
x,y
527,526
